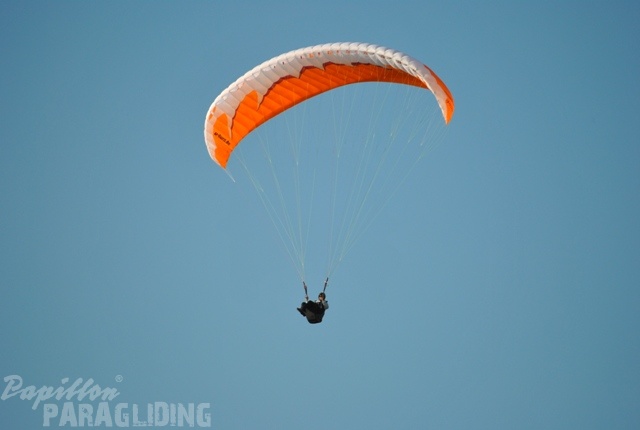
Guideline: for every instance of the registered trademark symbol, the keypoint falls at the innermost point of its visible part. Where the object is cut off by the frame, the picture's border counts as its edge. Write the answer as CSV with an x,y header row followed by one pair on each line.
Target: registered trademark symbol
x,y
119,378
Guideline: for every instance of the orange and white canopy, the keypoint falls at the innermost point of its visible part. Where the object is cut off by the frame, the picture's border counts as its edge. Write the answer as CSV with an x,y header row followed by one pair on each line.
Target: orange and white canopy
x,y
288,79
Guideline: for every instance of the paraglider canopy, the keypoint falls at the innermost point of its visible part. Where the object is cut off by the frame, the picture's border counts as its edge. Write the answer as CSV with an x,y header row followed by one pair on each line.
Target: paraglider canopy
x,y
288,79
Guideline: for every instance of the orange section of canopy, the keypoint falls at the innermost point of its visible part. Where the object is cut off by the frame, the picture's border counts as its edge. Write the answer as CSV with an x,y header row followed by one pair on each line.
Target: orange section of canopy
x,y
289,91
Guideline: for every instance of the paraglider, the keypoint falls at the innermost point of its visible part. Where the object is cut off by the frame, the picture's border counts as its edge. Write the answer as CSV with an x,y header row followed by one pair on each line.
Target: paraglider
x,y
287,83
313,311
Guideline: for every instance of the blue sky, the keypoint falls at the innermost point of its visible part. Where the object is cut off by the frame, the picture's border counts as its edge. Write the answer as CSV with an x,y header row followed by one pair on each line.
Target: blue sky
x,y
504,295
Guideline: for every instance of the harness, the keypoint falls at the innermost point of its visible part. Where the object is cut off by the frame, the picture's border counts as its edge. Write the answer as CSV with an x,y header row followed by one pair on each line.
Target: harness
x,y
312,317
